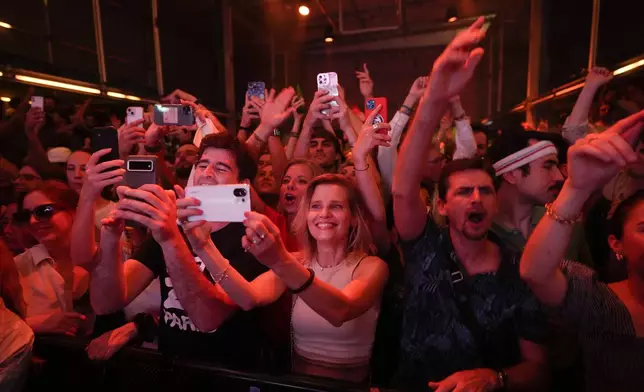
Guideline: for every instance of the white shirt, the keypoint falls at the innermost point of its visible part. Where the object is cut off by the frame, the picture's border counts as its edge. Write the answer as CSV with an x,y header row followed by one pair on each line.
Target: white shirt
x,y
43,288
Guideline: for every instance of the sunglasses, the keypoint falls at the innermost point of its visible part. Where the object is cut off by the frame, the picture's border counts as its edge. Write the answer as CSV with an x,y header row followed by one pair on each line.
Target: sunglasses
x,y
40,213
28,177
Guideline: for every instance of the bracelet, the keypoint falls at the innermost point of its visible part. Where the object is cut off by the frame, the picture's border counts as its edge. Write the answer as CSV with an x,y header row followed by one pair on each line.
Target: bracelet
x,y
560,219
220,276
306,284
406,110
365,169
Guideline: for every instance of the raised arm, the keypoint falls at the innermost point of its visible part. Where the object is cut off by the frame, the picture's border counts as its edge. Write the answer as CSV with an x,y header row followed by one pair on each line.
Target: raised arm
x,y
451,72
156,209
465,142
592,162
387,156
576,125
264,290
321,101
114,284
336,306
97,176
370,137
296,103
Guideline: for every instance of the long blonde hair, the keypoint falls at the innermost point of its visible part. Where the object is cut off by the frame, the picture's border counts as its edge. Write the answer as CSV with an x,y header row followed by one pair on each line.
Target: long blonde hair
x,y
359,239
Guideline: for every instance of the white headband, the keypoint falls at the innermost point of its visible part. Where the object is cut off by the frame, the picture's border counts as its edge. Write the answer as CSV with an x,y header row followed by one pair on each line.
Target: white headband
x,y
524,156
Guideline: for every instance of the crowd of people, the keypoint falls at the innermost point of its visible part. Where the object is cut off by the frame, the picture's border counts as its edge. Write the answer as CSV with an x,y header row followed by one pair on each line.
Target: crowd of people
x,y
426,253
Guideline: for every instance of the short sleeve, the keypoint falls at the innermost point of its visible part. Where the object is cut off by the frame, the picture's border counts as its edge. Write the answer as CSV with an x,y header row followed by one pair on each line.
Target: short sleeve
x,y
583,287
531,320
151,255
425,244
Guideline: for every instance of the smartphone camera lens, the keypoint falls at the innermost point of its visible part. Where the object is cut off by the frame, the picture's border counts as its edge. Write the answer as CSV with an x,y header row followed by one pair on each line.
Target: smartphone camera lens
x,y
239,192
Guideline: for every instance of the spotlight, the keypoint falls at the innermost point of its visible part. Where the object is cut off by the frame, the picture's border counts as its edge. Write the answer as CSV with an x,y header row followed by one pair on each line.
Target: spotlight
x,y
5,99
304,10
328,35
5,25
451,15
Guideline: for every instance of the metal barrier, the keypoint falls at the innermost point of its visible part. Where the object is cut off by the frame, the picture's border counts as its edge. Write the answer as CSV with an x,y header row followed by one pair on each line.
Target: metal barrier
x,y
62,365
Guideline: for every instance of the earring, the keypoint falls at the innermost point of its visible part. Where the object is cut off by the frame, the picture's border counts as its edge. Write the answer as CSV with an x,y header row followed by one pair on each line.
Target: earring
x,y
619,256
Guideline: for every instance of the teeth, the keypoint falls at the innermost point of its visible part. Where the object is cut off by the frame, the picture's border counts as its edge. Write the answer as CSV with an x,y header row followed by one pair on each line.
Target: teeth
x,y
325,225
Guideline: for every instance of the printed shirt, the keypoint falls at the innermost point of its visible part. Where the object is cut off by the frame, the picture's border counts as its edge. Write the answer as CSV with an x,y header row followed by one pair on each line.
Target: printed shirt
x,y
435,341
237,342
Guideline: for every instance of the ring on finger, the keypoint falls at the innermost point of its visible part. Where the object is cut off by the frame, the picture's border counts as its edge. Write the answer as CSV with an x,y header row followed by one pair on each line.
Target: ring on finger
x,y
375,126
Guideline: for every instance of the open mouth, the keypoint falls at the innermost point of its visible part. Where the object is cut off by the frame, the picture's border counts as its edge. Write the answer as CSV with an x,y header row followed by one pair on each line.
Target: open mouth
x,y
325,225
476,217
289,198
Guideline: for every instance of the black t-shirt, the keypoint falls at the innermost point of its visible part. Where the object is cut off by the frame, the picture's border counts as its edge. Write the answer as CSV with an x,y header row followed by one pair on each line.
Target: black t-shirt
x,y
237,342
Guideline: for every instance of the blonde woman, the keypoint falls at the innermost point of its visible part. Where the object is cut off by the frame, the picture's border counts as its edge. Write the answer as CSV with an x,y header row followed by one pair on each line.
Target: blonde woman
x,y
336,285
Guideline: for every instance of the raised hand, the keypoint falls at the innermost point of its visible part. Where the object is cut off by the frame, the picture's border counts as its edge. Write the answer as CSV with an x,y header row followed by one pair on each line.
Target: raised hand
x,y
371,136
100,175
455,66
34,121
296,103
597,158
475,380
276,109
366,84
152,207
249,113
129,136
598,76
418,87
112,227
197,232
321,101
262,240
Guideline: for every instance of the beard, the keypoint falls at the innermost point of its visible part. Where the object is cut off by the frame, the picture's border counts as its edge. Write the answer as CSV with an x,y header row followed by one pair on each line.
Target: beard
x,y
474,236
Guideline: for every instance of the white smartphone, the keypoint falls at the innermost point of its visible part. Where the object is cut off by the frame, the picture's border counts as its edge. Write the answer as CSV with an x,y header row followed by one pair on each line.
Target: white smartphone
x,y
37,102
221,203
133,113
328,81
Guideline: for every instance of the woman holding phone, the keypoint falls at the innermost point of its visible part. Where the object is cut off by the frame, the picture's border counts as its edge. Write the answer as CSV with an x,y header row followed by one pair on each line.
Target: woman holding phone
x,y
336,284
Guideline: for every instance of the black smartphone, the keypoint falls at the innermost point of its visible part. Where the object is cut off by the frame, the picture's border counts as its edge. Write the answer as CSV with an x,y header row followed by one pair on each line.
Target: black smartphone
x,y
105,137
140,170
167,115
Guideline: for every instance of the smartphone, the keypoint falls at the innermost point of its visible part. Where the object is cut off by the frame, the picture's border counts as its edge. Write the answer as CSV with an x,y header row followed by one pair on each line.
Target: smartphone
x,y
105,137
221,203
133,113
328,81
140,170
371,104
37,102
181,115
256,89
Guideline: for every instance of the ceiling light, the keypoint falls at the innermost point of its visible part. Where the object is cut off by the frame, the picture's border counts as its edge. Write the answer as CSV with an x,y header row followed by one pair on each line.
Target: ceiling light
x,y
628,67
451,15
328,35
1,74
115,95
132,98
5,99
5,25
304,10
61,85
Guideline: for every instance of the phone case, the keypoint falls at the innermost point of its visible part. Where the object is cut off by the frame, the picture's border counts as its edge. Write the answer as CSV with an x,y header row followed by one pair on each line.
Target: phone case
x,y
168,115
37,102
105,137
140,170
133,113
221,203
328,81
256,89
371,104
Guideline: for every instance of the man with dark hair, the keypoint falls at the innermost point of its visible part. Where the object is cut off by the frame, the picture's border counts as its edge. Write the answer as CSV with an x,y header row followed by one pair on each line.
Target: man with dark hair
x,y
325,150
470,322
195,322
528,177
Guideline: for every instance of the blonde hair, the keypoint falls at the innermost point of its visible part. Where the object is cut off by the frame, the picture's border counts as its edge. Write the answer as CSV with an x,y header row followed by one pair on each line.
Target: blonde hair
x,y
359,239
316,170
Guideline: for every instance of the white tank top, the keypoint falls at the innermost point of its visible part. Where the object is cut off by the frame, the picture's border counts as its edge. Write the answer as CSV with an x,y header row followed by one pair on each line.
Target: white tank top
x,y
316,339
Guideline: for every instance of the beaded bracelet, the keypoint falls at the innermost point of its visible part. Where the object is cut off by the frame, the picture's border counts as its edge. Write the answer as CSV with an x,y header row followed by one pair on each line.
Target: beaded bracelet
x,y
560,219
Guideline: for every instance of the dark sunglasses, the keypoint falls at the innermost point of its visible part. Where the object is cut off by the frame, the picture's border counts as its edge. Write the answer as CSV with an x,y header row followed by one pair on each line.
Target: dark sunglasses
x,y
41,213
